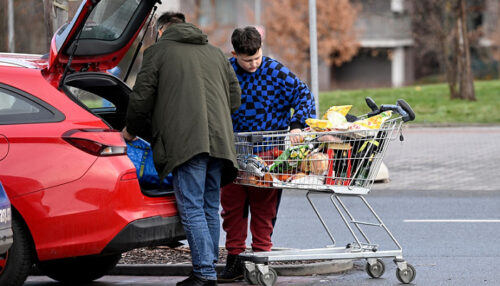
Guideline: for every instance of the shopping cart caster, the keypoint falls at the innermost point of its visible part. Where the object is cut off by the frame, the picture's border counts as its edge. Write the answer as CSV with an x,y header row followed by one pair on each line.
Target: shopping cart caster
x,y
375,268
268,279
407,275
251,277
250,273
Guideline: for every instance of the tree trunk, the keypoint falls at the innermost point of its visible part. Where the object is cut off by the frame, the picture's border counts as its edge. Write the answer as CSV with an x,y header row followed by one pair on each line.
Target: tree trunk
x,y
460,56
498,69
449,59
448,41
466,77
10,26
451,75
48,7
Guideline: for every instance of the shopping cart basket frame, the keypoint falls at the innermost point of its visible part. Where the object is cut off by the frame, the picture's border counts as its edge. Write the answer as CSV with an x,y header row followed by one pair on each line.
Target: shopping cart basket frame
x,y
343,165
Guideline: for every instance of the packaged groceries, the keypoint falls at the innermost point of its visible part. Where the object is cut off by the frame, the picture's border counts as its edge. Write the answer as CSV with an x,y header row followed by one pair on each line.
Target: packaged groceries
x,y
333,152
334,118
337,120
298,153
319,124
374,122
284,177
246,178
297,176
329,139
341,109
290,158
311,180
253,164
315,163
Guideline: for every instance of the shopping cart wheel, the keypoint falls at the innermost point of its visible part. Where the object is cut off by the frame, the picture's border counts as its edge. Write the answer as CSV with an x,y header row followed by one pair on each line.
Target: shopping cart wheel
x,y
268,279
251,276
407,275
376,269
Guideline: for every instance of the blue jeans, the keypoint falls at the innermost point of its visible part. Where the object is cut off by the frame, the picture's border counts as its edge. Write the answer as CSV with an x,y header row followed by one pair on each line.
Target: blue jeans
x,y
197,186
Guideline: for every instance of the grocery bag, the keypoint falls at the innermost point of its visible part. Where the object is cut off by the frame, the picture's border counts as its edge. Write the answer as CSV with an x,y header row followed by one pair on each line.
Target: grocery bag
x,y
140,153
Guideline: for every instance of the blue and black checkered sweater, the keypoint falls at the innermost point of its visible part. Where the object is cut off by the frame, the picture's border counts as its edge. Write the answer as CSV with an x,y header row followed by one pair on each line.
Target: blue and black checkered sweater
x,y
267,96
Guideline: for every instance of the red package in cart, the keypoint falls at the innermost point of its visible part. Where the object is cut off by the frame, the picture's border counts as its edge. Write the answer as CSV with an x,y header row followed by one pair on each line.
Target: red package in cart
x,y
339,164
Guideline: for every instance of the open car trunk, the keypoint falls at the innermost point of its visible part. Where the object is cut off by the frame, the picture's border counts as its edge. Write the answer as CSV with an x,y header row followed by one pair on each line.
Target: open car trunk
x,y
107,97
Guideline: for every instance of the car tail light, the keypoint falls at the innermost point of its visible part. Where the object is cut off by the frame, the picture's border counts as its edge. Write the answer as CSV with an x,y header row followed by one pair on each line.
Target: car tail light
x,y
98,142
132,175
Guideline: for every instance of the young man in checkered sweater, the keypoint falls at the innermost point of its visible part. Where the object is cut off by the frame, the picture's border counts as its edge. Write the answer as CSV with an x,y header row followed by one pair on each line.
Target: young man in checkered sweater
x,y
268,91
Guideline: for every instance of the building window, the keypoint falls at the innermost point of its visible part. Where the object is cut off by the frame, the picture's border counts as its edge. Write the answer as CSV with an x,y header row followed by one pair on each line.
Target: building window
x,y
222,11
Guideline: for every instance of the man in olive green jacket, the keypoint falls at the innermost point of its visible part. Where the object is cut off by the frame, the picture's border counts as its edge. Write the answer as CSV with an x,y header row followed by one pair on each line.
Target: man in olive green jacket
x,y
189,89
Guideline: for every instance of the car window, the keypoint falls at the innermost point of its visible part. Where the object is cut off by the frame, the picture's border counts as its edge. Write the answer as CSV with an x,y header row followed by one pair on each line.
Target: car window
x,y
17,109
109,19
89,99
106,22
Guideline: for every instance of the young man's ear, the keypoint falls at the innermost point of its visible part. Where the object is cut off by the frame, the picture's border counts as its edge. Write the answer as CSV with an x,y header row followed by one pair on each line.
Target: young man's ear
x,y
233,53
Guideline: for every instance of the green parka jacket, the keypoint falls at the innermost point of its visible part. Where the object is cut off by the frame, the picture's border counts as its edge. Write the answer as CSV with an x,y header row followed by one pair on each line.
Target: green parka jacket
x,y
190,89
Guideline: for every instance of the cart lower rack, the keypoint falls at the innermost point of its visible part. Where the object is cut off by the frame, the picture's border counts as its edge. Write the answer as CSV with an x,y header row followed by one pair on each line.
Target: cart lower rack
x,y
340,163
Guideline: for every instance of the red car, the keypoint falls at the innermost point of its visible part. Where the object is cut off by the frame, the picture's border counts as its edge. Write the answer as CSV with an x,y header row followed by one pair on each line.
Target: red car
x,y
76,200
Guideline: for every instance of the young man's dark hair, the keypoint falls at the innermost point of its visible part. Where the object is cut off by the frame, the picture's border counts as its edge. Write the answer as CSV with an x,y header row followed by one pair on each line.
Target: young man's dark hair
x,y
170,17
246,41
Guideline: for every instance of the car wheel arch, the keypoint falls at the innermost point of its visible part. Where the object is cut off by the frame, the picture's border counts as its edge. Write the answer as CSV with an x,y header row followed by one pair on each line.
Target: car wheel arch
x,y
25,225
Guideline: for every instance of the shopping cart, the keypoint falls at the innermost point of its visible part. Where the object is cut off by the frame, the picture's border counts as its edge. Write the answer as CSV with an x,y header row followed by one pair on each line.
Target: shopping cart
x,y
340,163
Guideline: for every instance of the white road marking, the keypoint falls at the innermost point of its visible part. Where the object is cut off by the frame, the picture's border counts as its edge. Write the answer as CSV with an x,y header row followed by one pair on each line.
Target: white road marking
x,y
453,220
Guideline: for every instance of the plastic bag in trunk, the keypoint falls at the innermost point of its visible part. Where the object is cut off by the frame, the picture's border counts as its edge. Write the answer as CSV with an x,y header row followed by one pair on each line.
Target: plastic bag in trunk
x,y
141,154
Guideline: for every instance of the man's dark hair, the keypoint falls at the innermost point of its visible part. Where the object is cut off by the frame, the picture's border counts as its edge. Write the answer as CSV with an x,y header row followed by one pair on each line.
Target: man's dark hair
x,y
168,18
246,41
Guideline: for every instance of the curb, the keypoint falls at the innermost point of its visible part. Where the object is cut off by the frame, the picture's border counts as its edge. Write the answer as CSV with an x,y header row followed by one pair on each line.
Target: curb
x,y
329,267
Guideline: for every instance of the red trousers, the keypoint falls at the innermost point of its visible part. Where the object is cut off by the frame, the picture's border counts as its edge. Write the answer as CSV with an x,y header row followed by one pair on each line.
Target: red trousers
x,y
237,201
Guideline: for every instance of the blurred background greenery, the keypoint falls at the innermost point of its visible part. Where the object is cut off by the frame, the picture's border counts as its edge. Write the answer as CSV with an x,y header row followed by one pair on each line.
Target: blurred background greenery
x,y
431,102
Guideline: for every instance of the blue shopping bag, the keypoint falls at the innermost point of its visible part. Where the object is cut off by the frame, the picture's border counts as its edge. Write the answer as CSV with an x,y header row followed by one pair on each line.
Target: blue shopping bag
x,y
141,154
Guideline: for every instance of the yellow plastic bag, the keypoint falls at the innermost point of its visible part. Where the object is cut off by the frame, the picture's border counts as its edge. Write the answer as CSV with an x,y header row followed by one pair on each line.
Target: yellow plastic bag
x,y
374,122
342,109
319,124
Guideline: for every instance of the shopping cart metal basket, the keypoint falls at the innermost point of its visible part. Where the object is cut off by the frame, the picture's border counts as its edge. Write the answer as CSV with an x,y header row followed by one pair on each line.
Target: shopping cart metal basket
x,y
340,163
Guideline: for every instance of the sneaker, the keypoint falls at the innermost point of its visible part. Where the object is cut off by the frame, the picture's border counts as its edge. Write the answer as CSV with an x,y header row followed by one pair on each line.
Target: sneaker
x,y
233,270
193,280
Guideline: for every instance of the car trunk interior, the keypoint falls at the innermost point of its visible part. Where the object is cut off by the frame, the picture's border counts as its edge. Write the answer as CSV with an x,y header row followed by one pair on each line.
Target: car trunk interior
x,y
107,97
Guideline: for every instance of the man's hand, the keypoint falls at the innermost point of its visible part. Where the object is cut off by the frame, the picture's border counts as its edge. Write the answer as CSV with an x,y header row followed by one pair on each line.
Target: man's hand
x,y
295,136
127,136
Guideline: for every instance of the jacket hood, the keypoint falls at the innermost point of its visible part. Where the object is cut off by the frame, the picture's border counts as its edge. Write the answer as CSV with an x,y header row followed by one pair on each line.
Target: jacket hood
x,y
185,33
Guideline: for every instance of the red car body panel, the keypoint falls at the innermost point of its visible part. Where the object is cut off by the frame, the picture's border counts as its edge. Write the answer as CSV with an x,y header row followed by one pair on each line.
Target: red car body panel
x,y
56,57
73,202
82,217
42,143
23,60
75,198
58,60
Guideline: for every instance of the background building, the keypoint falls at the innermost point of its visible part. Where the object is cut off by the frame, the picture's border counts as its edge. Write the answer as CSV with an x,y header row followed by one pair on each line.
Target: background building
x,y
387,55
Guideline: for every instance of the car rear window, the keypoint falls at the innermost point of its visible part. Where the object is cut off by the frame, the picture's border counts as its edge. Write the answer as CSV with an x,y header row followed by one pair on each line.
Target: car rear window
x,y
109,19
106,22
18,109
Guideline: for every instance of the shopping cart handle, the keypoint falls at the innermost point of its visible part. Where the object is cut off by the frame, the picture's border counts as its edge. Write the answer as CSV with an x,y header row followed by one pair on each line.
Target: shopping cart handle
x,y
402,107
371,103
410,115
